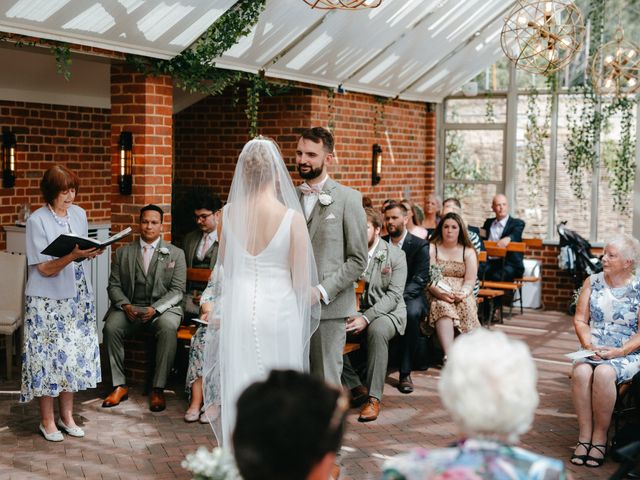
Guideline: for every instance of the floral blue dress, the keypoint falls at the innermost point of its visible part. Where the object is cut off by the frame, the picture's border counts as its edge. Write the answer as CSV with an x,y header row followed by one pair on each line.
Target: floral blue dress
x,y
613,314
61,352
474,460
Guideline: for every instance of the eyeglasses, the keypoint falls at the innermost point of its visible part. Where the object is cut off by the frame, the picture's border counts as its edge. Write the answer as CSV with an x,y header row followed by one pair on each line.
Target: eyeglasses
x,y
202,217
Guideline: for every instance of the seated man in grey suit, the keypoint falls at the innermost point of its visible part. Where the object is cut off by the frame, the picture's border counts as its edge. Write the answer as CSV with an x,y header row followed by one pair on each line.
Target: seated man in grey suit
x,y
201,245
146,285
382,313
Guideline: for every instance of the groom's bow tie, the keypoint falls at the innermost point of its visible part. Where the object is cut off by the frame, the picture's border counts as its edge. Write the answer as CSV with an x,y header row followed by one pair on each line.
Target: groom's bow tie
x,y
309,189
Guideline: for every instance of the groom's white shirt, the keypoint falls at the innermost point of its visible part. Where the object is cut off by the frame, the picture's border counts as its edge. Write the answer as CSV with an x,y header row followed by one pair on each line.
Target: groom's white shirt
x,y
309,201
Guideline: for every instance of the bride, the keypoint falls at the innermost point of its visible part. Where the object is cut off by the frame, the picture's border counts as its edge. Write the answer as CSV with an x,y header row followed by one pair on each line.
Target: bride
x,y
262,287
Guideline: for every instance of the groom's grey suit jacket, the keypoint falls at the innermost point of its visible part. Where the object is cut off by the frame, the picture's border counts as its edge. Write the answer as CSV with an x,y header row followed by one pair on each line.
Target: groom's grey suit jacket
x,y
338,234
384,286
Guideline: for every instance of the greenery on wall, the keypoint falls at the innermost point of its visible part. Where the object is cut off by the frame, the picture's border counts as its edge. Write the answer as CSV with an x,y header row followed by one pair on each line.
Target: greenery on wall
x,y
588,117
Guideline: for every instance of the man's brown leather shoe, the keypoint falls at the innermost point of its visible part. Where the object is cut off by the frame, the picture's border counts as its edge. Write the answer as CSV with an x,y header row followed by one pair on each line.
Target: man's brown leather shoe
x,y
370,410
119,394
359,395
157,403
335,472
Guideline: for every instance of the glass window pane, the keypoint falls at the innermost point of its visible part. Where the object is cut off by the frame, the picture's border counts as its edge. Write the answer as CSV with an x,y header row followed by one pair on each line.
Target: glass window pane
x,y
577,213
476,110
494,78
532,164
611,221
475,199
473,155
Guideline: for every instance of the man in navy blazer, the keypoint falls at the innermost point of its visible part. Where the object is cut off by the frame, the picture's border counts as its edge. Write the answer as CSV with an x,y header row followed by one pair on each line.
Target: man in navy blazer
x,y
503,229
417,253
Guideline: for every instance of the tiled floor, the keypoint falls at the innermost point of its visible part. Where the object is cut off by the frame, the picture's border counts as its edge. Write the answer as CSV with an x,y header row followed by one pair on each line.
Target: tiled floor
x,y
130,442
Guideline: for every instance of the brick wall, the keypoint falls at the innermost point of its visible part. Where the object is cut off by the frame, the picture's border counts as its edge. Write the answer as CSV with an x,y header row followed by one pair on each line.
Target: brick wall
x,y
210,134
46,135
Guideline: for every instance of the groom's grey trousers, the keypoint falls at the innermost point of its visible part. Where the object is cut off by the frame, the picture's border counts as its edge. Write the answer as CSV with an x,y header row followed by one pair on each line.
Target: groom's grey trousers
x,y
327,345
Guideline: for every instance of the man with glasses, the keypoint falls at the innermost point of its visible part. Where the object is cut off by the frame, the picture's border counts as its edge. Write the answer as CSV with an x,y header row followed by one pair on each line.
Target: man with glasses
x,y
201,245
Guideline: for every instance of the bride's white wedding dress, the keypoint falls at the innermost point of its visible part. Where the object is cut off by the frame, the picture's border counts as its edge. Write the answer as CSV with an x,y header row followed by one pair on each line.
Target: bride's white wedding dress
x,y
261,327
265,306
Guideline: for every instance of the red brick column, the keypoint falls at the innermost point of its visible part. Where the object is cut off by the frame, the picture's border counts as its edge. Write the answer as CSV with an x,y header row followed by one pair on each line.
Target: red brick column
x,y
143,106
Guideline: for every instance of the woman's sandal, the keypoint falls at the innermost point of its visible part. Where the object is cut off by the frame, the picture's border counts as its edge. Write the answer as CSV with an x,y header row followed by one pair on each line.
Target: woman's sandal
x,y
597,462
581,459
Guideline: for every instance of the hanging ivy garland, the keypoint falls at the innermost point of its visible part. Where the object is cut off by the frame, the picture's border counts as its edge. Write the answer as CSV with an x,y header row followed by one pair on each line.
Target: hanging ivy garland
x,y
586,120
536,133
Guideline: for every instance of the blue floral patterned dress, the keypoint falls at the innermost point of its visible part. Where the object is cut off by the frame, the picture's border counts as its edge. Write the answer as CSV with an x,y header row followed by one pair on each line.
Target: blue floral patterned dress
x,y
613,314
61,352
474,460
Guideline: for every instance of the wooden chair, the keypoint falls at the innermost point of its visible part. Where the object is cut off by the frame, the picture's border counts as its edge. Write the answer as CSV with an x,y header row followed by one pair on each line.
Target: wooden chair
x,y
352,346
508,286
625,404
186,331
12,283
488,294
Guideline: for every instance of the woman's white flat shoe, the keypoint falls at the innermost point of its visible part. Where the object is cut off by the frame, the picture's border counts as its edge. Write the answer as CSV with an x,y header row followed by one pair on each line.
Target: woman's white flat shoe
x,y
51,437
72,431
191,416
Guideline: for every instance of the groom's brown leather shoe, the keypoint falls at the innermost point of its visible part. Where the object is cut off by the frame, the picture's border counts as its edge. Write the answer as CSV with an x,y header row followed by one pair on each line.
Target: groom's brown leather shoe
x,y
157,403
119,394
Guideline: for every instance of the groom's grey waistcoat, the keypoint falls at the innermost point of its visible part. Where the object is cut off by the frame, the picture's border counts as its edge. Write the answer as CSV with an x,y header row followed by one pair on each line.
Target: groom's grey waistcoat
x,y
338,234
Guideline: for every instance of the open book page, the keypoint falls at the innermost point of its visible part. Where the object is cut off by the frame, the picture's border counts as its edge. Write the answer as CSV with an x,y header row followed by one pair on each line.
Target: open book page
x,y
66,242
580,354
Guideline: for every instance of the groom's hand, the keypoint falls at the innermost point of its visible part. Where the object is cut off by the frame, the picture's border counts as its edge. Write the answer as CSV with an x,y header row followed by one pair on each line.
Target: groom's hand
x,y
356,324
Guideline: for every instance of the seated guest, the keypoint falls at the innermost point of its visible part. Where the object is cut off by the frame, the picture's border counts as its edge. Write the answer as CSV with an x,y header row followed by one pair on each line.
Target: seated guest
x,y
503,229
201,250
285,436
478,245
201,245
452,306
432,209
606,322
489,388
413,224
417,254
382,314
146,285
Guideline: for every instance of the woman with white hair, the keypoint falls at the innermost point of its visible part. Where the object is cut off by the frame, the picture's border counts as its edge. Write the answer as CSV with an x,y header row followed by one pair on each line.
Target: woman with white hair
x,y
488,386
606,323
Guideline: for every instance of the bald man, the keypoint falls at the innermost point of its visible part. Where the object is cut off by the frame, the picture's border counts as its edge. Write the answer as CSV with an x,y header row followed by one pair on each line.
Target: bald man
x,y
503,229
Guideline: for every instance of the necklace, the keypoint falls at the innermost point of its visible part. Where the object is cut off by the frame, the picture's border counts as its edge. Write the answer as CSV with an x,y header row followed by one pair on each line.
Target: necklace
x,y
62,221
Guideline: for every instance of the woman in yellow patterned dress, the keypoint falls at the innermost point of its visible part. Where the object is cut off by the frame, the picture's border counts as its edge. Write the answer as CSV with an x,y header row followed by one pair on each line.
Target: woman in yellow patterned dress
x,y
452,306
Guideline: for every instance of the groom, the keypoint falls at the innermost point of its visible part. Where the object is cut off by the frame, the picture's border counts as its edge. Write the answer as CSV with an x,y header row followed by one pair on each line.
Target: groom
x,y
338,230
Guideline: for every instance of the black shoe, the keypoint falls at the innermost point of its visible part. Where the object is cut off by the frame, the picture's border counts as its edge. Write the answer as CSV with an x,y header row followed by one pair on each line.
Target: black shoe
x,y
405,385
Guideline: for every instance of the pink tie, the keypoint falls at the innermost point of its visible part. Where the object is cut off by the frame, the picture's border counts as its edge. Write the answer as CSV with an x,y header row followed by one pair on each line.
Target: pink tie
x,y
146,257
205,246
309,189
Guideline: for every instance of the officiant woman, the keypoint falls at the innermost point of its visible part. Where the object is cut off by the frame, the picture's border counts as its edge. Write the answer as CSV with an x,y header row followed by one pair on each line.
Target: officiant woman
x,y
606,322
60,354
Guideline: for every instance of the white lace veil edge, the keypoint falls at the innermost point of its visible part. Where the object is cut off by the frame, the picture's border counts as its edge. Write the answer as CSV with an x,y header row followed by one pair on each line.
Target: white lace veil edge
x,y
260,169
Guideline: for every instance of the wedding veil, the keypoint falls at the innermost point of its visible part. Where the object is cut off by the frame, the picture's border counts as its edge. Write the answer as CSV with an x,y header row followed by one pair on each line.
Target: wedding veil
x,y
262,202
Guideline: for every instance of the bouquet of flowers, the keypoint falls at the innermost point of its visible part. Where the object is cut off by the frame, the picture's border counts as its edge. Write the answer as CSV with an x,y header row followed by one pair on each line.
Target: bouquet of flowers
x,y
436,279
215,465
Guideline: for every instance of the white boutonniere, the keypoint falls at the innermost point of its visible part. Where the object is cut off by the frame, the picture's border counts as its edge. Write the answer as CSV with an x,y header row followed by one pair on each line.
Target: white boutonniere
x,y
325,199
381,256
163,251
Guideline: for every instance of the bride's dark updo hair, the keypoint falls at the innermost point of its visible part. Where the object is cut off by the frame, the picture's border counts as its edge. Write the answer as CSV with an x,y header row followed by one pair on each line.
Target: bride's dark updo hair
x,y
258,160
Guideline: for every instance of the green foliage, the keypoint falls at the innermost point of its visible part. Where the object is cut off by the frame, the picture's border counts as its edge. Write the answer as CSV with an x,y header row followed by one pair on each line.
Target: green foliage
x,y
60,50
458,165
588,116
194,69
536,133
